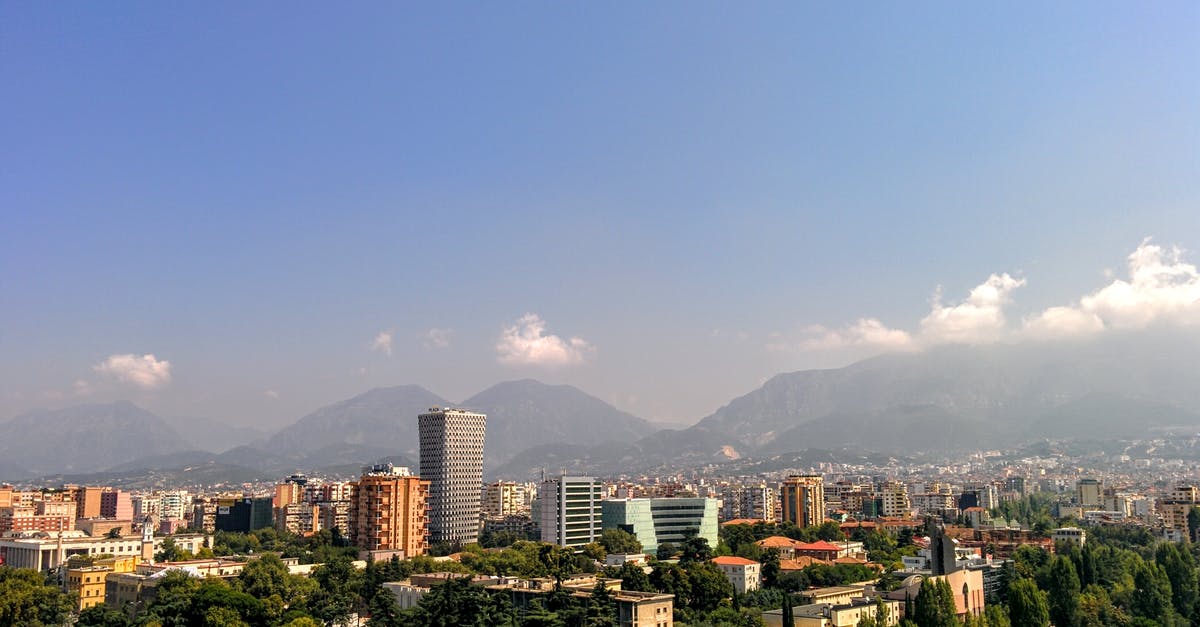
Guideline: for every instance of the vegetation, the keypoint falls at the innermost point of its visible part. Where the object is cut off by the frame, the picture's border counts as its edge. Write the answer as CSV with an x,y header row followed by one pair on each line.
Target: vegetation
x,y
1121,576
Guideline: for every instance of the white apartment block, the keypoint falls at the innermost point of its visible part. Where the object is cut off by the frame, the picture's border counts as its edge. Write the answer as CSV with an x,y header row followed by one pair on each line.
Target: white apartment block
x,y
569,511
894,497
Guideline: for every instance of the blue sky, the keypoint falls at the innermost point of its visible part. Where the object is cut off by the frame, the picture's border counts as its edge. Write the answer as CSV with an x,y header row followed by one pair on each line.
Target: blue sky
x,y
704,194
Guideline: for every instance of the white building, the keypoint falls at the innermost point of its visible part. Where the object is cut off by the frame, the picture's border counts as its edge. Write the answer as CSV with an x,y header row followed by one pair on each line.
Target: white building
x,y
744,574
569,511
452,463
43,551
1070,534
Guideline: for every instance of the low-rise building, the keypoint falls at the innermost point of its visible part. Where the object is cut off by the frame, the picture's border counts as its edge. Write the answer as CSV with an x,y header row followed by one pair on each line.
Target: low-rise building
x,y
1069,534
87,582
744,574
45,551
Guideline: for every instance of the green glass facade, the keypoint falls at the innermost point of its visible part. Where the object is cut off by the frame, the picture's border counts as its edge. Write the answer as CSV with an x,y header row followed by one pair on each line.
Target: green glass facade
x,y
655,521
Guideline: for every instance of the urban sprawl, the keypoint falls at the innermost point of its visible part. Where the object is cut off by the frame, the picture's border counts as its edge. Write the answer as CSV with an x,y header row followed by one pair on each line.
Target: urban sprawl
x,y
994,538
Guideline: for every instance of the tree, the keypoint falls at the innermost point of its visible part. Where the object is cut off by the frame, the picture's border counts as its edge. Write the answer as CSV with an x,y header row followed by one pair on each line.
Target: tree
x,y
171,552
634,578
102,616
695,549
601,608
594,551
666,551
709,586
26,599
1180,568
672,579
620,542
789,619
1151,598
995,616
935,605
1063,589
338,593
770,567
1027,606
113,533
1193,523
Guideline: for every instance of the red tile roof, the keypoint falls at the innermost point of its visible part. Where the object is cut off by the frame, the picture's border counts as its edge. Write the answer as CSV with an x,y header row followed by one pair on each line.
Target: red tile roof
x,y
819,545
732,560
778,542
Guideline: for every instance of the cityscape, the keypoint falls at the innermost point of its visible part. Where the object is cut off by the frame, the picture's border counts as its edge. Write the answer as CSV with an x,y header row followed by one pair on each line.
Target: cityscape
x,y
771,314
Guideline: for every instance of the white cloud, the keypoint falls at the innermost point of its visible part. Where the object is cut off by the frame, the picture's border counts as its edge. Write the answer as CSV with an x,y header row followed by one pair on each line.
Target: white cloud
x,y
272,394
980,318
868,332
1161,288
438,338
1062,322
383,343
526,343
145,371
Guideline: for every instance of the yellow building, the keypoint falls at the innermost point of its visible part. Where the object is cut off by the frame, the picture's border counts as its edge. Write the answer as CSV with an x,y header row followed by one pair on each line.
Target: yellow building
x,y
88,582
802,498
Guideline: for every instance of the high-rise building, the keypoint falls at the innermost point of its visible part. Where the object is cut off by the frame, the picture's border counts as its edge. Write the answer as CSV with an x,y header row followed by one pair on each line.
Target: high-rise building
x,y
505,498
116,504
754,501
290,491
387,511
1089,493
452,463
1174,509
658,521
244,514
893,500
87,501
569,512
803,500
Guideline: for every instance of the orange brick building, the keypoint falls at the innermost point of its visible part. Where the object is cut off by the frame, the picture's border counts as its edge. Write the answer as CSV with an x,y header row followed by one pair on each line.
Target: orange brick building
x,y
388,512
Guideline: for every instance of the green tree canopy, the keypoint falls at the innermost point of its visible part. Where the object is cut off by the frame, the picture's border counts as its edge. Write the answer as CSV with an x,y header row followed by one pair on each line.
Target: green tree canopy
x,y
1027,606
620,541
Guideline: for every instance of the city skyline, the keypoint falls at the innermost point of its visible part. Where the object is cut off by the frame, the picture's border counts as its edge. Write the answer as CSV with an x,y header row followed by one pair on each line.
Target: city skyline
x,y
250,218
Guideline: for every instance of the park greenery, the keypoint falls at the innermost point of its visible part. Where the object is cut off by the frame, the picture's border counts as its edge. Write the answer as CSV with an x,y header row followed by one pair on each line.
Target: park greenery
x,y
1122,576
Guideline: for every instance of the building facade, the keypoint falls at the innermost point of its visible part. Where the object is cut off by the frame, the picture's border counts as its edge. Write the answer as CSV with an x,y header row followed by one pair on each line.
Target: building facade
x,y
569,510
802,499
452,462
388,511
658,521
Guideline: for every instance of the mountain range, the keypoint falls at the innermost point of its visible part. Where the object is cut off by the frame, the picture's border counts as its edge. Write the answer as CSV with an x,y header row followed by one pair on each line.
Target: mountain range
x,y
942,399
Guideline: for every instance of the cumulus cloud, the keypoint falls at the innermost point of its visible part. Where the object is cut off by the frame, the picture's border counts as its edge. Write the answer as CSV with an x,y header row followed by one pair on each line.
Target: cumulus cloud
x,y
980,318
526,343
438,338
383,343
1161,286
869,332
145,371
272,394
1062,322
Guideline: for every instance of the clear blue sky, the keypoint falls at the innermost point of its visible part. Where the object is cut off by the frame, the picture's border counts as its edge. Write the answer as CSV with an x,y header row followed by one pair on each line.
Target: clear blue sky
x,y
254,193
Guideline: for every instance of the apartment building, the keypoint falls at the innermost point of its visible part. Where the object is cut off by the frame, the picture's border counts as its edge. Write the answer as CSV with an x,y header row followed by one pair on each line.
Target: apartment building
x,y
388,511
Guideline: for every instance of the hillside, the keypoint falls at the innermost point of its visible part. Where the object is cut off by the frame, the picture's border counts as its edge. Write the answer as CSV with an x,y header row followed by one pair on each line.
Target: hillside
x,y
84,438
528,413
